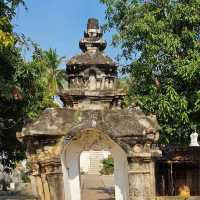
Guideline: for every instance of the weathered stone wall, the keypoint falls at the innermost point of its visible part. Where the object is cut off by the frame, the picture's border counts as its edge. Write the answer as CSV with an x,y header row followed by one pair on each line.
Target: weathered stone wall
x,y
47,179
141,179
131,130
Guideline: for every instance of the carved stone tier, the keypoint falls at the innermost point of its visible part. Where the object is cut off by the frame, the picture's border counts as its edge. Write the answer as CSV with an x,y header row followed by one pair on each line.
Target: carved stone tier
x,y
91,71
96,99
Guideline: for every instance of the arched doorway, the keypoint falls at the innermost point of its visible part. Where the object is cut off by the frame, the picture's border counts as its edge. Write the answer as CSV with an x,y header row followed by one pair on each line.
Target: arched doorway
x,y
97,175
92,139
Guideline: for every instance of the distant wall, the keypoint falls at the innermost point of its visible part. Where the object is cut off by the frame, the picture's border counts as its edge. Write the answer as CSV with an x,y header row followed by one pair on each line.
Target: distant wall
x,y
90,161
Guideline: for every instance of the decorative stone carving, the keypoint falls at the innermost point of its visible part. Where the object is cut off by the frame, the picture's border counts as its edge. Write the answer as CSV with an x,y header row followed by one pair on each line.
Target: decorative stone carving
x,y
137,148
35,169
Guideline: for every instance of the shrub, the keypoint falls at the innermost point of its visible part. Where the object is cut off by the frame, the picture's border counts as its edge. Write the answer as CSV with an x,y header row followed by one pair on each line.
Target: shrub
x,y
108,166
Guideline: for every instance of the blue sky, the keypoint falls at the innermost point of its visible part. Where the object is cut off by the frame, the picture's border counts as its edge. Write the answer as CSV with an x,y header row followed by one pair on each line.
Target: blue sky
x,y
60,23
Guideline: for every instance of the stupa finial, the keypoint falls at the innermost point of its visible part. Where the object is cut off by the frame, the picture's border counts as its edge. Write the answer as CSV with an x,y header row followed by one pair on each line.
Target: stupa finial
x,y
92,40
92,24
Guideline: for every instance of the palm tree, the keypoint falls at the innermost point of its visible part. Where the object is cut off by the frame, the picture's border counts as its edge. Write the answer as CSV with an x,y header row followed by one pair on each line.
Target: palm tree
x,y
56,77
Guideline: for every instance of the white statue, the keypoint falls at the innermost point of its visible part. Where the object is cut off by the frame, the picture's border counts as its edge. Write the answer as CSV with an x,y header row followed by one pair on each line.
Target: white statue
x,y
106,83
92,82
194,140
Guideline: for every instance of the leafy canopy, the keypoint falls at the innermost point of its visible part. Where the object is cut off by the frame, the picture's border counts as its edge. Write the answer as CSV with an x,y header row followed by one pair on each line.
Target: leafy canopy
x,y
160,38
26,87
7,12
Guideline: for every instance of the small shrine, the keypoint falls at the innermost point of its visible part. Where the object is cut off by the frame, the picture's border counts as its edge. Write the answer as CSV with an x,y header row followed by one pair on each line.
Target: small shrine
x,y
92,119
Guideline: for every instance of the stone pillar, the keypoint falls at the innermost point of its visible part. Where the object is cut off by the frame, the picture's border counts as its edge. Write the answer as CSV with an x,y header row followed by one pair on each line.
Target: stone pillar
x,y
142,176
45,187
53,179
36,180
56,186
34,185
47,179
40,189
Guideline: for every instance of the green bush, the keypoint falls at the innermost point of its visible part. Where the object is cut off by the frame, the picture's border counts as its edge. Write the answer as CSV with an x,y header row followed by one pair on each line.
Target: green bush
x,y
108,166
25,177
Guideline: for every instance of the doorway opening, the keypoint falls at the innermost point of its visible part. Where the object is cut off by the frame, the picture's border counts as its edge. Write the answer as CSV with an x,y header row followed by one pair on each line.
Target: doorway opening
x,y
97,175
93,140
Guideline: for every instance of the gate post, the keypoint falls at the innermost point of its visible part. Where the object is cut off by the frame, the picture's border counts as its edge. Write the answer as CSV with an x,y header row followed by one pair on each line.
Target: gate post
x,y
141,173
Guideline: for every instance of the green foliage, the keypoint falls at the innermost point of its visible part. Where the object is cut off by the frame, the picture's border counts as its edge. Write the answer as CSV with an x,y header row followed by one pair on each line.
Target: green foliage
x,y
7,12
26,88
6,36
122,83
8,8
25,91
25,178
164,74
11,113
108,166
56,76
39,81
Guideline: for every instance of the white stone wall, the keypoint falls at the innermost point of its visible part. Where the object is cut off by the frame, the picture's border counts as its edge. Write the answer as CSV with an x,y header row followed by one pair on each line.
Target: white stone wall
x,y
85,161
90,161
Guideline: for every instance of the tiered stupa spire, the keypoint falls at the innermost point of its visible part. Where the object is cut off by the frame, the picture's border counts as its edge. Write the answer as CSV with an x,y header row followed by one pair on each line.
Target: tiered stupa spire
x,y
91,74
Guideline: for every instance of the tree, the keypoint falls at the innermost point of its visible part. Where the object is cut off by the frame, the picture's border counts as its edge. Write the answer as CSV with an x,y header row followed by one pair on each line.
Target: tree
x,y
56,75
39,80
10,107
160,38
25,91
7,12
25,87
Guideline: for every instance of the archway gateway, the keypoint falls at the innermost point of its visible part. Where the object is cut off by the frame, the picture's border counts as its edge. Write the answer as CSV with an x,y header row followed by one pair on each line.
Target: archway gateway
x,y
92,139
92,114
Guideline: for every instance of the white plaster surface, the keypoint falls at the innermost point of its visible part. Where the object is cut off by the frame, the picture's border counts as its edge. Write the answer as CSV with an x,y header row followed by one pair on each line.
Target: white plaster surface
x,y
89,158
93,140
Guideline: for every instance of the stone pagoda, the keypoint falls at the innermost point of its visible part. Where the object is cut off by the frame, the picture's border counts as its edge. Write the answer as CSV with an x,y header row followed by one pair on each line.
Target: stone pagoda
x,y
92,119
91,74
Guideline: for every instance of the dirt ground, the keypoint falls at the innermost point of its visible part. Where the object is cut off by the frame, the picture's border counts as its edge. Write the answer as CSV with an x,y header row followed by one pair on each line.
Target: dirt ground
x,y
96,187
